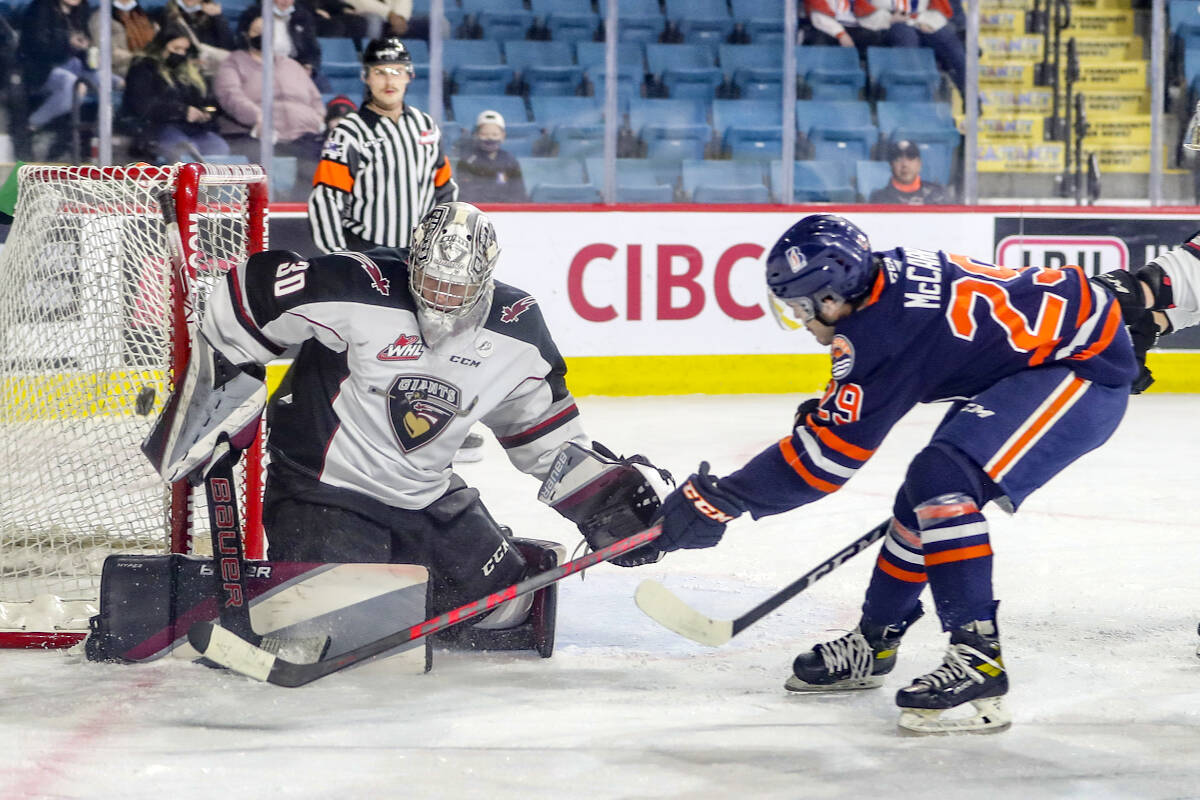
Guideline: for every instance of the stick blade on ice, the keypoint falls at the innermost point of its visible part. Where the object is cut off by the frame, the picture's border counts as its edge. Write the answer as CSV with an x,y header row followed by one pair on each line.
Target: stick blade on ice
x,y
230,650
661,605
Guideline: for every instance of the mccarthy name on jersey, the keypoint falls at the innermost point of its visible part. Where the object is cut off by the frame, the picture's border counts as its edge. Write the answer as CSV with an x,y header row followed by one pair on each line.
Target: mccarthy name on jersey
x,y
373,408
935,327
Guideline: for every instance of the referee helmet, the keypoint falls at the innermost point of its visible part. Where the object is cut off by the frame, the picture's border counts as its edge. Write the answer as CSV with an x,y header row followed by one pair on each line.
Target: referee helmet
x,y
387,50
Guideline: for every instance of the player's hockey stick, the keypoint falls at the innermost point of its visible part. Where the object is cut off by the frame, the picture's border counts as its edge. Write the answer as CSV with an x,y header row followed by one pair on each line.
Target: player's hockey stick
x,y
230,650
661,605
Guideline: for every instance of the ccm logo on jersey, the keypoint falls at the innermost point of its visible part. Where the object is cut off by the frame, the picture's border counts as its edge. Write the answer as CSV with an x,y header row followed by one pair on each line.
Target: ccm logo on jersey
x,y
407,347
703,506
513,312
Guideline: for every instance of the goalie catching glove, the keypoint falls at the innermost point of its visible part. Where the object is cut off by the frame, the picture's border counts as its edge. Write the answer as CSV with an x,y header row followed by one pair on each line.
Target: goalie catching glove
x,y
217,398
608,497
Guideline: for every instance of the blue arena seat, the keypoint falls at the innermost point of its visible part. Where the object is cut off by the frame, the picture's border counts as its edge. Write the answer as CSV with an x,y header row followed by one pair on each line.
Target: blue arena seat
x,y
631,67
519,131
871,175
932,116
1183,14
724,182
816,181
339,58
756,70
830,73
903,73
566,20
639,180
749,128
475,66
499,19
544,67
700,21
576,124
812,114
761,20
637,20
671,128
558,180
685,70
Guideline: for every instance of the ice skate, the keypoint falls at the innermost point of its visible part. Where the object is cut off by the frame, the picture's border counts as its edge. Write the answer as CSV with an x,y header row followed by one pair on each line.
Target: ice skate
x,y
858,660
971,673
471,450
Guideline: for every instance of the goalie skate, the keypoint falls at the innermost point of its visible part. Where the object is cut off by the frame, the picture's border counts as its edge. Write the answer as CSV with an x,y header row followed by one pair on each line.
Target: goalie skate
x,y
973,673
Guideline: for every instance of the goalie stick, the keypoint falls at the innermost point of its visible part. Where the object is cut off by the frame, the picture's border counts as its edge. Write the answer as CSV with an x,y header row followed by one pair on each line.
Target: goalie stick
x,y
229,650
664,607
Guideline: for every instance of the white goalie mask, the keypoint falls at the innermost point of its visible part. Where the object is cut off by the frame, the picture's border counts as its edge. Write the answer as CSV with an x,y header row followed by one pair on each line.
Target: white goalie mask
x,y
453,254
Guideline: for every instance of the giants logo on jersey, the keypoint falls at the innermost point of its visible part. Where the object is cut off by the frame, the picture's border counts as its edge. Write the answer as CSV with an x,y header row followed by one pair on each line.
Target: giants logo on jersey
x,y
407,347
420,408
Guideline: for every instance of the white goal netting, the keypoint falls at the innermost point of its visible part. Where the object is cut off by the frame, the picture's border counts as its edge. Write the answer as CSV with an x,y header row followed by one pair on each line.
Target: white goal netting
x,y
91,322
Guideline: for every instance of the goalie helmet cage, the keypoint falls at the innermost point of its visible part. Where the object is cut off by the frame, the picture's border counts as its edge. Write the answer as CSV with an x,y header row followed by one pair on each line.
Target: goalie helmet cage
x,y
95,314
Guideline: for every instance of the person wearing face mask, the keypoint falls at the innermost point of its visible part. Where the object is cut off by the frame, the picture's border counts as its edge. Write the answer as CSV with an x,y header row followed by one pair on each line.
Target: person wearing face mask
x,y
132,30
298,115
206,26
167,103
488,173
295,33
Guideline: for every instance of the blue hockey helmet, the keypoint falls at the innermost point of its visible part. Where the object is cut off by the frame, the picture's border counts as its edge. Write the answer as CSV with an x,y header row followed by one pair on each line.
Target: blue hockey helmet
x,y
821,256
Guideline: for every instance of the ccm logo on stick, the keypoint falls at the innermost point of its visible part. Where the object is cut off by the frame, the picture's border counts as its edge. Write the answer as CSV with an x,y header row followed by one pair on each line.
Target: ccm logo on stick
x,y
677,277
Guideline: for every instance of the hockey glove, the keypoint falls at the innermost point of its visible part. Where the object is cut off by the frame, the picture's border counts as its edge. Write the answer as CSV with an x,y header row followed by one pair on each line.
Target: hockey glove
x,y
694,515
804,409
1139,320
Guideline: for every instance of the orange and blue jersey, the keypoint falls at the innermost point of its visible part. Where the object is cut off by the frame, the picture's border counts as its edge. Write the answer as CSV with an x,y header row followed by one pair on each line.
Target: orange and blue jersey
x,y
941,327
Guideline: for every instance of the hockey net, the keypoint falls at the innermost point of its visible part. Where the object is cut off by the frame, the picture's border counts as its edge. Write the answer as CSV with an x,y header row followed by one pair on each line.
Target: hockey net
x,y
93,327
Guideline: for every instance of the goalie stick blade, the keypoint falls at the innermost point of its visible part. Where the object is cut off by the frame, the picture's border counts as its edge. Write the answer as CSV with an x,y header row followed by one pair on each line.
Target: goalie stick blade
x,y
661,605
214,643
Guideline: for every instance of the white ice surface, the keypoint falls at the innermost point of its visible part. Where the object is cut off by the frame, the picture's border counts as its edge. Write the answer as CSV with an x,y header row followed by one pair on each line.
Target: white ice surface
x,y
1099,577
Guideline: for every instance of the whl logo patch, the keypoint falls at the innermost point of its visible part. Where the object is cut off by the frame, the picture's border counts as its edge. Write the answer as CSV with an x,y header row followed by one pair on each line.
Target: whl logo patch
x,y
420,408
407,347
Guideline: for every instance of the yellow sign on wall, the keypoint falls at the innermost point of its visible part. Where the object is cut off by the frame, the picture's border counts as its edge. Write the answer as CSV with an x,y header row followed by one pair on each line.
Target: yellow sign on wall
x,y
1134,130
1112,75
1042,157
1011,48
1001,130
1101,22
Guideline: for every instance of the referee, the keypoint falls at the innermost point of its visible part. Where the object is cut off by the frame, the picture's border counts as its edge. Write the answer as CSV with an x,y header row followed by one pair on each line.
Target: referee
x,y
382,167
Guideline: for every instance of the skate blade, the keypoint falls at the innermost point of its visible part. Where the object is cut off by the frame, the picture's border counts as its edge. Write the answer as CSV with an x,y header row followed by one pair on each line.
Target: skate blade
x,y
991,716
794,684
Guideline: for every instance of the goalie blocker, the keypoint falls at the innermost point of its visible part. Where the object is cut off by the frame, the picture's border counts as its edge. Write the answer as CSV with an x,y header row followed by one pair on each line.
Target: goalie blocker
x,y
608,497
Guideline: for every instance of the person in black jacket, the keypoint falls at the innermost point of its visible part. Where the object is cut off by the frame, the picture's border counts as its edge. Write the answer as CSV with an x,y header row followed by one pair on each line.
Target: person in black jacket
x,y
295,34
168,104
906,186
488,173
52,53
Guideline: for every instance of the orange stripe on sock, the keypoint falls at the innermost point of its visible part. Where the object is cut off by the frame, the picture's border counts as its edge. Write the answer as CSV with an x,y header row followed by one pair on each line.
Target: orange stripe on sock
x,y
1037,428
793,458
908,576
959,554
946,511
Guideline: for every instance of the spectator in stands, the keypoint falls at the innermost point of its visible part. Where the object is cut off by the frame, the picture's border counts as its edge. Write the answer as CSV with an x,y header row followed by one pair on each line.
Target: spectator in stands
x,y
295,34
298,113
336,19
167,104
53,55
132,30
488,173
391,17
906,186
903,23
833,22
12,90
205,22
337,108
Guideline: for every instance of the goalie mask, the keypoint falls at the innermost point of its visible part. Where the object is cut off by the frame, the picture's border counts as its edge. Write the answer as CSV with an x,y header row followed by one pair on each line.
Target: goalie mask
x,y
453,255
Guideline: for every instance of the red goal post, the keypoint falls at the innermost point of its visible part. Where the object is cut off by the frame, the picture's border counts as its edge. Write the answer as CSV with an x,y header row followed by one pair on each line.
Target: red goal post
x,y
94,327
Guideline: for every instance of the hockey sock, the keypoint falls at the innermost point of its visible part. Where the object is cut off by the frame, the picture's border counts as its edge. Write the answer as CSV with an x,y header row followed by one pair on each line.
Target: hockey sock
x,y
898,577
958,558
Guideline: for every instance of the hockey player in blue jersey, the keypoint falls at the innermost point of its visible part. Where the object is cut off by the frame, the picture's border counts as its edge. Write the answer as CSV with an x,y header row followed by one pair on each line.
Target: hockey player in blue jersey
x,y
1037,367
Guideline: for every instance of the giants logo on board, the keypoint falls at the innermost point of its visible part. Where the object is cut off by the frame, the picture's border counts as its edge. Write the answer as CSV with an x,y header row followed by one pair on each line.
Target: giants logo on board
x,y
407,347
420,408
1096,254
512,313
842,352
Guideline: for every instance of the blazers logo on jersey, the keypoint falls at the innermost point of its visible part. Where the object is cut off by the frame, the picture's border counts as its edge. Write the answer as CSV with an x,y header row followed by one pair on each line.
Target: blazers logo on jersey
x,y
421,407
842,352
407,347
513,313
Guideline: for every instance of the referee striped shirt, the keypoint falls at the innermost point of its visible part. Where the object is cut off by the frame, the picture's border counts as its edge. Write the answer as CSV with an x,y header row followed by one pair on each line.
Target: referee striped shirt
x,y
377,178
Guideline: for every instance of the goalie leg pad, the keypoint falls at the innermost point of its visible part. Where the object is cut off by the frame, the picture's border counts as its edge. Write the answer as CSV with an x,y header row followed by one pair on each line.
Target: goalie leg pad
x,y
606,496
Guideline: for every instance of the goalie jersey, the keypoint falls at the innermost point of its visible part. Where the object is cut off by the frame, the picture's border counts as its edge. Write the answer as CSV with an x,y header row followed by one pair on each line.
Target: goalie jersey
x,y
373,409
935,327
